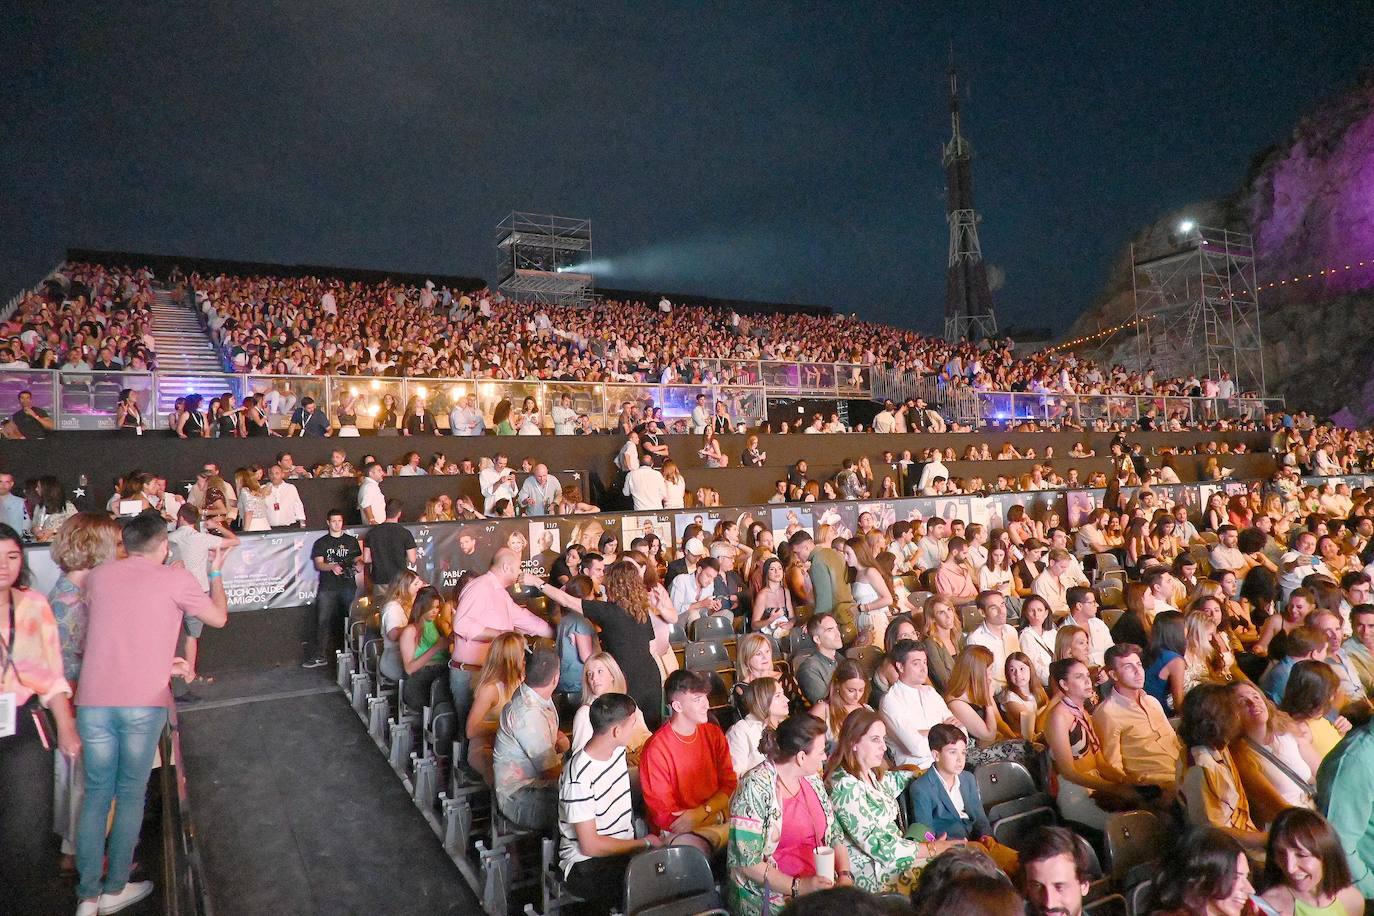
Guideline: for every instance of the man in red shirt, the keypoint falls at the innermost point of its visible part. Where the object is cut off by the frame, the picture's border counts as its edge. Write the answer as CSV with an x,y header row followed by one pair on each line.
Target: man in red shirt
x,y
685,769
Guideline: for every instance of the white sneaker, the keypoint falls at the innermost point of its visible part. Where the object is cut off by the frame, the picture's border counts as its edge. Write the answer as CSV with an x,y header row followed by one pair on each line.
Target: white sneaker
x,y
88,907
133,892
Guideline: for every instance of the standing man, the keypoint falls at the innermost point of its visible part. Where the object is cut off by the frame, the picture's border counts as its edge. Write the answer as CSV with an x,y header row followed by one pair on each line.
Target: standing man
x,y
645,485
284,506
1345,795
564,417
465,419
388,548
136,608
701,417
830,587
485,610
338,557
307,421
371,502
539,493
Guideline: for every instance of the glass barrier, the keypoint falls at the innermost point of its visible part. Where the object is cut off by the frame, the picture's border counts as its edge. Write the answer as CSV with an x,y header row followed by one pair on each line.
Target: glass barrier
x,y
782,375
586,399
746,405
854,379
280,394
741,372
87,400
41,383
491,392
362,400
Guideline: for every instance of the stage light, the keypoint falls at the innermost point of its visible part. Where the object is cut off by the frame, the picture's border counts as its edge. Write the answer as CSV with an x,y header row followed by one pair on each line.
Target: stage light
x,y
1187,226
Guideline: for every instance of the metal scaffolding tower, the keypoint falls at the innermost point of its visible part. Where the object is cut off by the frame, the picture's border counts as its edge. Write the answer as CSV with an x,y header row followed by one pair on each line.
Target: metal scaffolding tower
x,y
543,257
1197,308
968,299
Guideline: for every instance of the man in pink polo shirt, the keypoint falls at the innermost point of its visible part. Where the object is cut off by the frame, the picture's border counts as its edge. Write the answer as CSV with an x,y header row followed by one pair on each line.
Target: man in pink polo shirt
x,y
137,607
486,610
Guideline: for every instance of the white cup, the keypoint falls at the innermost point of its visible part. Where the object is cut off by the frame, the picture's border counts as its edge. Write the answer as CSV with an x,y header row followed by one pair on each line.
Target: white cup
x,y
825,862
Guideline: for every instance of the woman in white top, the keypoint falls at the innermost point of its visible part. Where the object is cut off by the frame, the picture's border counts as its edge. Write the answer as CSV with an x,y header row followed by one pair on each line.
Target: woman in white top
x,y
395,616
252,501
529,424
600,675
872,596
677,486
1023,698
1271,751
1037,636
710,450
767,705
995,575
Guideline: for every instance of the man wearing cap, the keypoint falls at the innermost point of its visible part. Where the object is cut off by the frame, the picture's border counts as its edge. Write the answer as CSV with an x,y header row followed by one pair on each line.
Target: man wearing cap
x,y
692,551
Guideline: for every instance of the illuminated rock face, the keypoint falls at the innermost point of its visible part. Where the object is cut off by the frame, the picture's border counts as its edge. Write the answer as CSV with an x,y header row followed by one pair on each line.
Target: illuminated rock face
x,y
1309,202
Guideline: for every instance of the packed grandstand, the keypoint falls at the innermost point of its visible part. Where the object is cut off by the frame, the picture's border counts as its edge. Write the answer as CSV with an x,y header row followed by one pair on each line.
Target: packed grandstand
x,y
948,660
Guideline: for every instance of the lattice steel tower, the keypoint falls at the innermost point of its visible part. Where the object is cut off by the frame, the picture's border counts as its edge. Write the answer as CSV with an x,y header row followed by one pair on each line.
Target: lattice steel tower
x,y
1197,309
968,299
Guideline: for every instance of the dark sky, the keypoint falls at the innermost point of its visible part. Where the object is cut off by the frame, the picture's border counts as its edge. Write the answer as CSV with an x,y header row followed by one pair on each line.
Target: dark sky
x,y
773,151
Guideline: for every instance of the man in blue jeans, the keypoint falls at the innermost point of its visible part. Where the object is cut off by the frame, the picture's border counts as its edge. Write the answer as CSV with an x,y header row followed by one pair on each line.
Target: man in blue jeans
x,y
136,609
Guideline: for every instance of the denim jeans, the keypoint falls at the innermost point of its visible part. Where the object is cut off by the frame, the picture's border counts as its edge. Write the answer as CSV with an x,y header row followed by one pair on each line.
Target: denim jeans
x,y
118,746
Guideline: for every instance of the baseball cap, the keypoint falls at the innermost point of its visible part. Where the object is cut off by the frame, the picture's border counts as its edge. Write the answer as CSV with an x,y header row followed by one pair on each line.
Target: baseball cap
x,y
694,547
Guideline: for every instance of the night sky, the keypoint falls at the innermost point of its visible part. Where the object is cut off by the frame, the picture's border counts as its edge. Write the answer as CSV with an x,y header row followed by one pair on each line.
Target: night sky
x,y
786,152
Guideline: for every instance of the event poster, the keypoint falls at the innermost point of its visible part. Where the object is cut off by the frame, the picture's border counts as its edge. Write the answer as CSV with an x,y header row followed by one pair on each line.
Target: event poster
x,y
272,571
657,524
545,546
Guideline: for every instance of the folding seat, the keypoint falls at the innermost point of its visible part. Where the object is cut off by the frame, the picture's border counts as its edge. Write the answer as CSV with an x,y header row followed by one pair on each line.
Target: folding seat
x,y
671,881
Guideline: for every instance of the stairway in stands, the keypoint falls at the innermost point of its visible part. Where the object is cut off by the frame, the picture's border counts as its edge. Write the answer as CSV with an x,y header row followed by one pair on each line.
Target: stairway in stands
x,y
184,350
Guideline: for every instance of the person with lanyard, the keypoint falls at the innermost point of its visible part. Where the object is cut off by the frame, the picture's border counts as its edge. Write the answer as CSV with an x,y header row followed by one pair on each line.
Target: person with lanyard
x,y
128,417
36,717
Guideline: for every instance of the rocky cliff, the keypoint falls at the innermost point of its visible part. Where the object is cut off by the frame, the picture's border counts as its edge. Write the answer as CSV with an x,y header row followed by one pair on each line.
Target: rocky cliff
x,y
1309,203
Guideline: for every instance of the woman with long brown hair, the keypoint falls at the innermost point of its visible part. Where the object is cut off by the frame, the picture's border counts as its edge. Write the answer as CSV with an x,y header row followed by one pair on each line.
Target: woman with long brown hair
x,y
626,632
501,674
972,700
848,692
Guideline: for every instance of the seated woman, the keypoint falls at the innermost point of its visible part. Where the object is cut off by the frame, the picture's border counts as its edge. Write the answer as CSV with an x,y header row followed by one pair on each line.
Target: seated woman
x,y
1037,636
1306,872
1075,749
971,698
1212,787
944,640
865,794
753,660
424,650
1207,657
1311,695
1164,671
779,815
848,691
765,706
1023,699
771,606
502,673
1209,876
1278,766
602,675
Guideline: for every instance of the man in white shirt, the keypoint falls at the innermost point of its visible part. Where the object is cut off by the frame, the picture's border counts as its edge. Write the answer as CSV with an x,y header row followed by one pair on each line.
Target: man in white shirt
x,y
930,549
371,502
994,635
701,417
595,818
564,417
1226,554
284,506
1299,563
627,459
539,492
886,420
646,486
694,594
1059,538
488,478
912,706
465,419
1083,613
1090,539
932,469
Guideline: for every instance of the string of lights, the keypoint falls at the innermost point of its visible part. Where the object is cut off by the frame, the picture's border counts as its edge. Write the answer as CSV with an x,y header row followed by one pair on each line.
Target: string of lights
x,y
1097,335
1319,274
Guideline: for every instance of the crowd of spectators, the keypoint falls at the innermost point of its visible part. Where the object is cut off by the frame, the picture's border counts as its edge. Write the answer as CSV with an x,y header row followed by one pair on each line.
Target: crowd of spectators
x,y
83,317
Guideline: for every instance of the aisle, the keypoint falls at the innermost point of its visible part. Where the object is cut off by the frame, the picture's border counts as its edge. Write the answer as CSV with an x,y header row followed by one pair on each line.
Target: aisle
x,y
298,813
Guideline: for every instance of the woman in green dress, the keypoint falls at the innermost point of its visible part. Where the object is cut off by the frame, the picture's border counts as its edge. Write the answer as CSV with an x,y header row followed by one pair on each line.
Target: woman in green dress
x,y
864,794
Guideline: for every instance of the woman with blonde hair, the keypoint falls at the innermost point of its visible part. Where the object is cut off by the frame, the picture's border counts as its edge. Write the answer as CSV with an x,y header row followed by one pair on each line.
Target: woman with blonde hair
x,y
944,639
677,486
1205,653
252,500
602,675
1276,760
753,660
394,616
82,543
501,675
972,700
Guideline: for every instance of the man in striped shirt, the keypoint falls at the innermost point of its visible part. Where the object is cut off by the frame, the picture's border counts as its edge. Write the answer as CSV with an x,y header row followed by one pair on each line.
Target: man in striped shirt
x,y
595,821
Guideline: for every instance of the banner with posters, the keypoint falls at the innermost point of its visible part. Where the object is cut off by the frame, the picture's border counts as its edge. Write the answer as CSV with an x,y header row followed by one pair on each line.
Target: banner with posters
x,y
274,569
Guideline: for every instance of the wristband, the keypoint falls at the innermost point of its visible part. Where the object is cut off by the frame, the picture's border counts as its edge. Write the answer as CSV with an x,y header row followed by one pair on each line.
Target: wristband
x,y
214,574
794,888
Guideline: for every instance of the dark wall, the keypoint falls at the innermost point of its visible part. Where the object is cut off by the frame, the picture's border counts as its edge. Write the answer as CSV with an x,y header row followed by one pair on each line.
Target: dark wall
x,y
103,457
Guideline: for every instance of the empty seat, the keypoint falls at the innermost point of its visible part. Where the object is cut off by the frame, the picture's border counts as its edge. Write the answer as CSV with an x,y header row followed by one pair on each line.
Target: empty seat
x,y
1007,788
1016,830
1135,842
868,658
715,626
1107,905
706,656
671,881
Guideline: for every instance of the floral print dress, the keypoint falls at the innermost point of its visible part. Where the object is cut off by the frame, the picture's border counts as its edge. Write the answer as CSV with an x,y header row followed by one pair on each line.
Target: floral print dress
x,y
882,859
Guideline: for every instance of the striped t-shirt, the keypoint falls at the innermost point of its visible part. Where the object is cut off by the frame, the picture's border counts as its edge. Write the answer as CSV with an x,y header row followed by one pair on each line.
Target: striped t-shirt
x,y
593,789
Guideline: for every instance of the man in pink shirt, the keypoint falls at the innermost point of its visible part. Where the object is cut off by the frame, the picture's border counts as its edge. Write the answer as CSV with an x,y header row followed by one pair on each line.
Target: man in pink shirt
x,y
953,578
486,610
136,610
